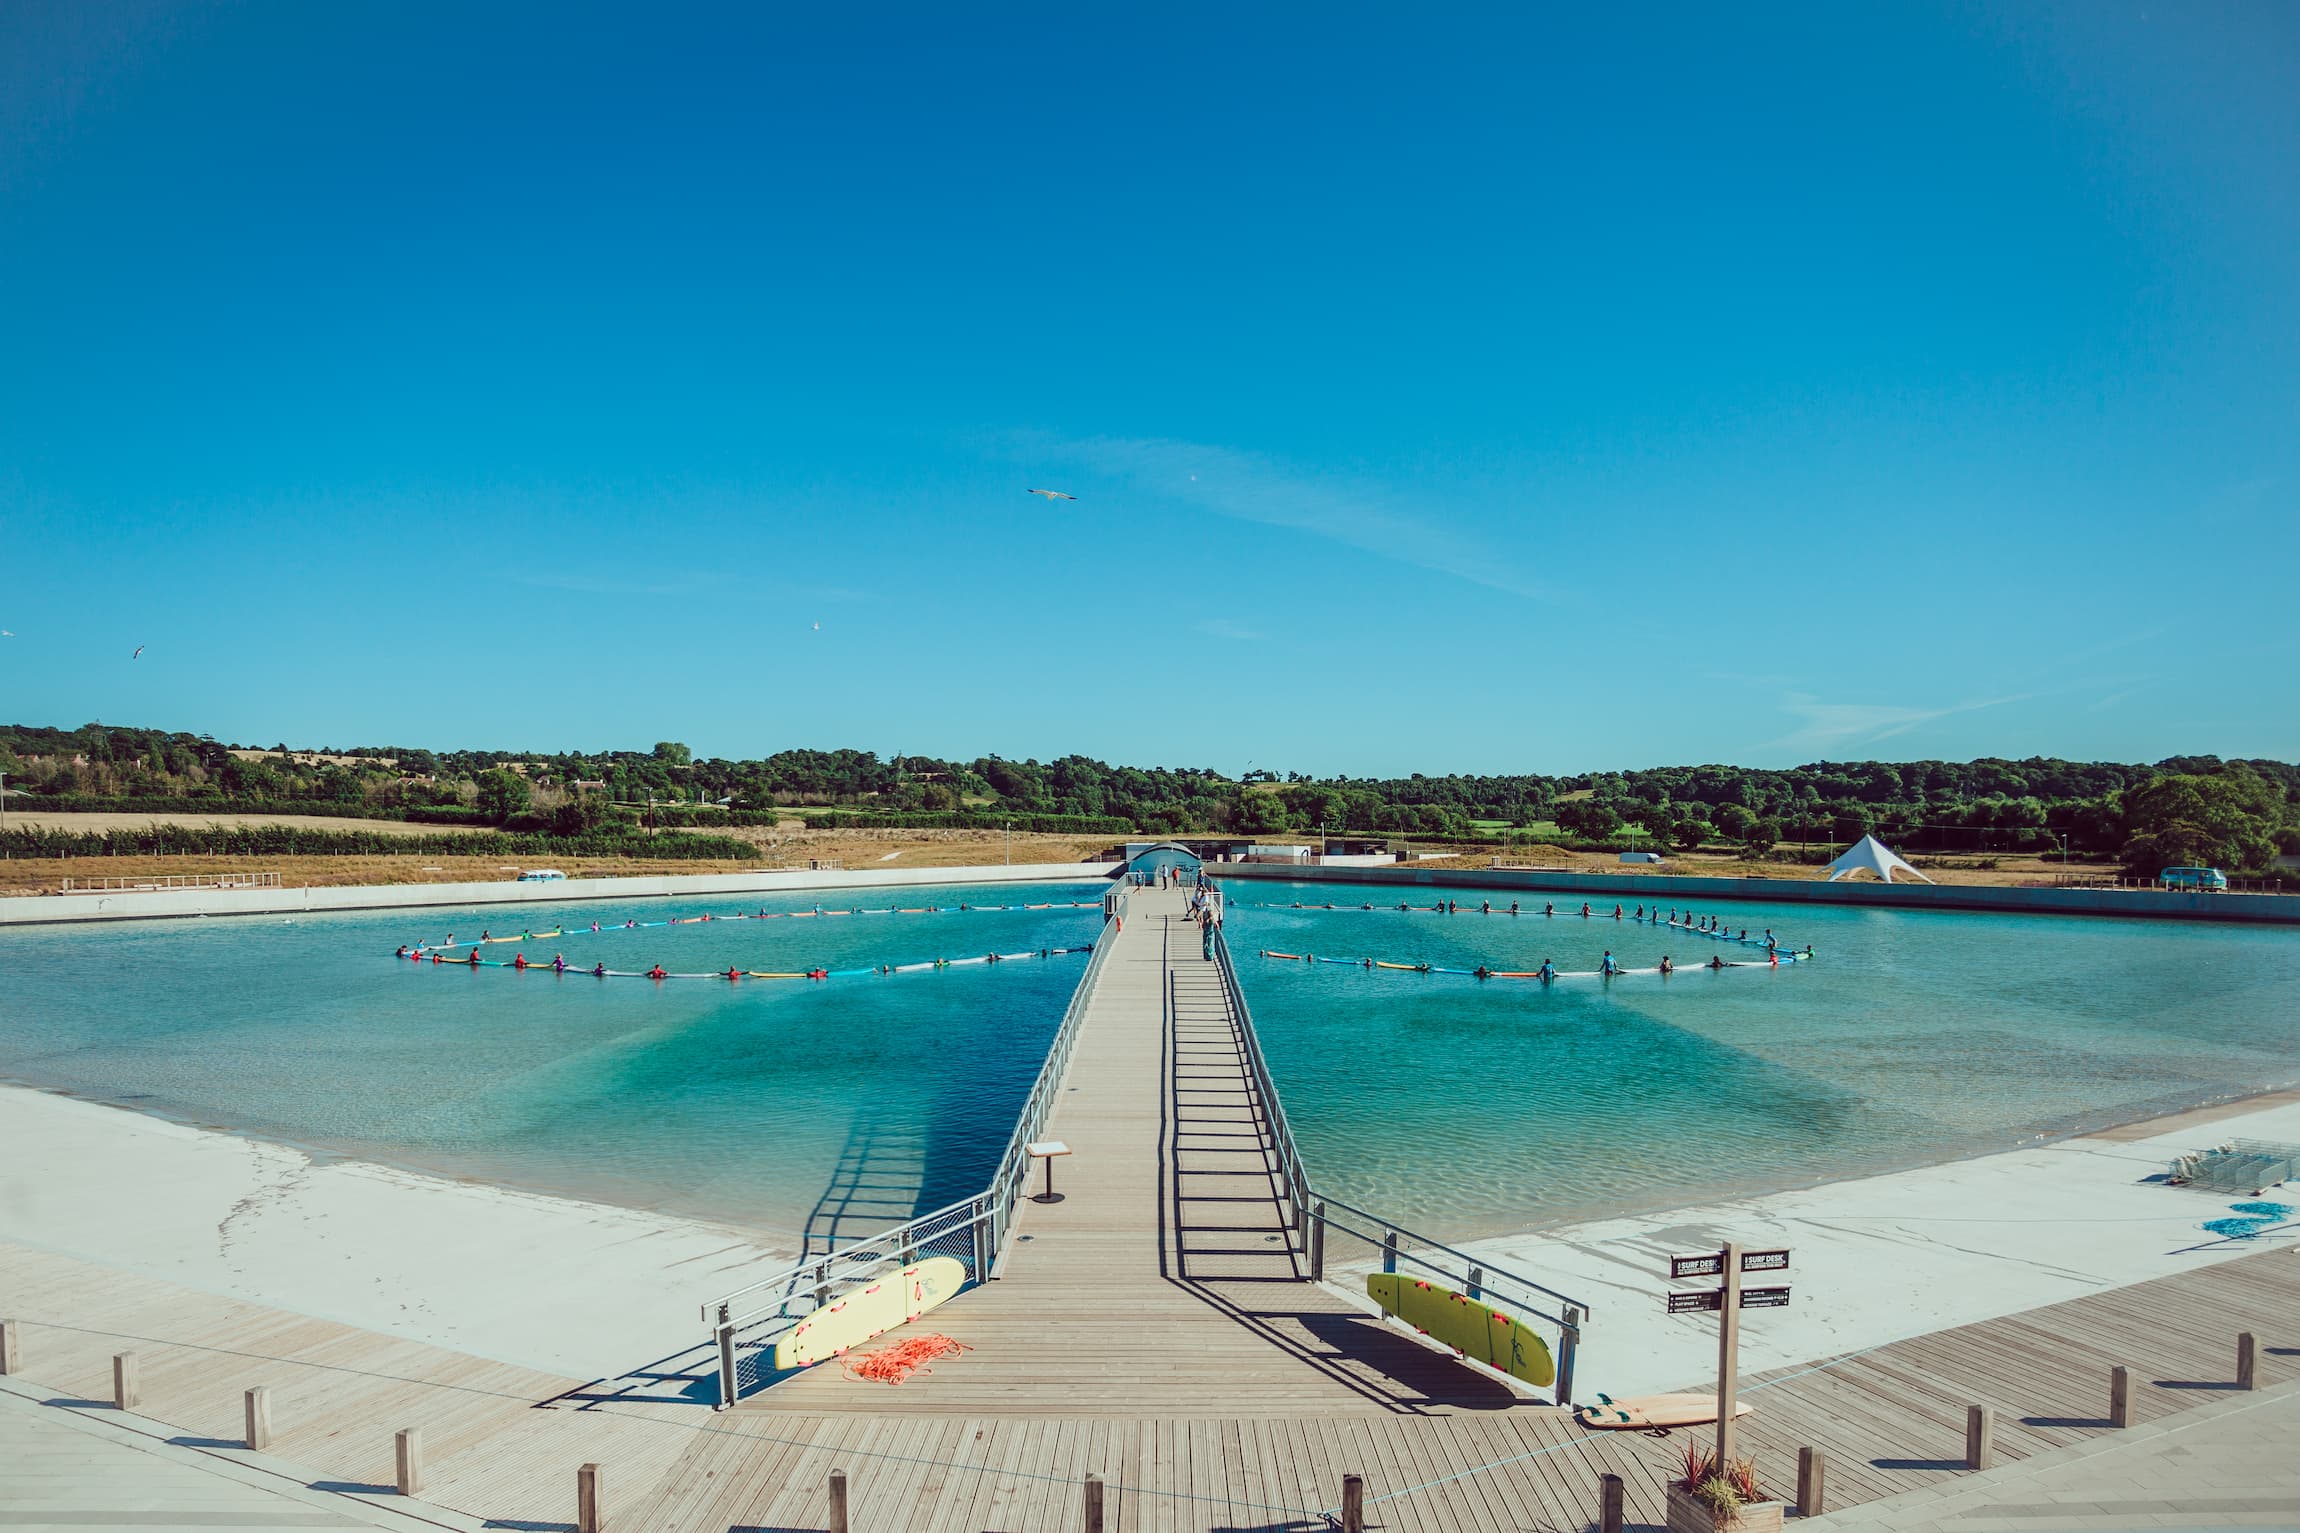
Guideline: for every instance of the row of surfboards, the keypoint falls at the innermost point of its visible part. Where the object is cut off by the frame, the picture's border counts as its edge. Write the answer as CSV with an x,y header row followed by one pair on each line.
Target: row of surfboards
x,y
1439,968
597,930
741,973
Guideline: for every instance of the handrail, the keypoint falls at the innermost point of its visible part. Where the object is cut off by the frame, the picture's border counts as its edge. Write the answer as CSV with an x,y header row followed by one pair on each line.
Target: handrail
x,y
1312,1216
986,1219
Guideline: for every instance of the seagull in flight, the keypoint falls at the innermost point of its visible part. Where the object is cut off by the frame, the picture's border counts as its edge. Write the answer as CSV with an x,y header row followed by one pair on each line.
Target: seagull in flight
x,y
139,654
1053,494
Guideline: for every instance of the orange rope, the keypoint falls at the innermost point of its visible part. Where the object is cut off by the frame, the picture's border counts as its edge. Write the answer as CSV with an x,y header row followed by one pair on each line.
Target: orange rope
x,y
892,1365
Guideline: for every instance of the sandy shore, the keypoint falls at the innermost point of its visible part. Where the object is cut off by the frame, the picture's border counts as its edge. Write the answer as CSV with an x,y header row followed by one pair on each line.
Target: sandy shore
x,y
1888,1257
549,1283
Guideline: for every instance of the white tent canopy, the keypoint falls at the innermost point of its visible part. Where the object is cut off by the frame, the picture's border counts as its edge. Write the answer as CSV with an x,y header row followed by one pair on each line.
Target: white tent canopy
x,y
1873,856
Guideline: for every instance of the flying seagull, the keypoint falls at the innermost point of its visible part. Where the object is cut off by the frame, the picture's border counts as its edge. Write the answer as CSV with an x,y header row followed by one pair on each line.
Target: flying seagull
x,y
139,654
1053,494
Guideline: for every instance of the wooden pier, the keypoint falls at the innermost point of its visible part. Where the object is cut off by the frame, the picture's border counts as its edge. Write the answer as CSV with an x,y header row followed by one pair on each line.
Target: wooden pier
x,y
1146,1329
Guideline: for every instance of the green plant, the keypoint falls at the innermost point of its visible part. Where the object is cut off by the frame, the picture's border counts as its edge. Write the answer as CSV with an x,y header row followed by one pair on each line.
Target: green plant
x,y
1723,1487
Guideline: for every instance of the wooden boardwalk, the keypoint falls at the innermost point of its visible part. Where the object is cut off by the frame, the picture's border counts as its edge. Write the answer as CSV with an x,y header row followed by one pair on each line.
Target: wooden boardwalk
x,y
1146,1329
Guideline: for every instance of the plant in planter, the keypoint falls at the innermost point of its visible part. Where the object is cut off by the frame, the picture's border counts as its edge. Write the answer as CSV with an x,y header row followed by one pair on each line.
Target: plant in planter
x,y
1714,1496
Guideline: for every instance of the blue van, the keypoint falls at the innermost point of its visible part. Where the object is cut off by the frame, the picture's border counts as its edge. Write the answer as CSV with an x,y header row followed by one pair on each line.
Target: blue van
x,y
2194,878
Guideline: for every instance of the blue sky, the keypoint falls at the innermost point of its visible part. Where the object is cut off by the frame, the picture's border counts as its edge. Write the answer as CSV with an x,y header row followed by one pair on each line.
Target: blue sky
x,y
1487,390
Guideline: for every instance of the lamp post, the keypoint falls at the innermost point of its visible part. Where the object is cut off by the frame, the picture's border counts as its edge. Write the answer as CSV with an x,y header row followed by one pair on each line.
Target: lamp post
x,y
1010,843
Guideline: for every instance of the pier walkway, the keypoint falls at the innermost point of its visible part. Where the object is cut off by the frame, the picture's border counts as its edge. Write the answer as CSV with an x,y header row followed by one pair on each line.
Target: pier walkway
x,y
1161,1277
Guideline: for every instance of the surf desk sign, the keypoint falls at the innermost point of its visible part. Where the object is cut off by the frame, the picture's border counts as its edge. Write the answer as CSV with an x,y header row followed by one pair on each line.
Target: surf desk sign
x,y
1728,1300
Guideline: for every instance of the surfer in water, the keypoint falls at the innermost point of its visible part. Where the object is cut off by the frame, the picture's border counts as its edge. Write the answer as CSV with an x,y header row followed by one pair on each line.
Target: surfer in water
x,y
1547,971
1717,961
1548,907
1770,944
1666,966
1609,968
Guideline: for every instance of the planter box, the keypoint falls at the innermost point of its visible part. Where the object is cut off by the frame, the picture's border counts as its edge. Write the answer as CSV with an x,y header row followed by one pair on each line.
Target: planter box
x,y
1687,1515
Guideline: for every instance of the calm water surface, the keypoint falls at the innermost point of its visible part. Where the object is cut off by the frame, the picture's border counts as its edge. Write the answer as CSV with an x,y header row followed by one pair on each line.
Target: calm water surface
x,y
1477,1107
782,1105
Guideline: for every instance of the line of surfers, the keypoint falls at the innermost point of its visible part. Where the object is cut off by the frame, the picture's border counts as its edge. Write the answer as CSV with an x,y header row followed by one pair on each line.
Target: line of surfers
x,y
559,964
1708,926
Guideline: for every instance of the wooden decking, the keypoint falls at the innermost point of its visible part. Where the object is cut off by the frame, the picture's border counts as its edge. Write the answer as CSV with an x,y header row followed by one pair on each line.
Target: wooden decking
x,y
1146,1329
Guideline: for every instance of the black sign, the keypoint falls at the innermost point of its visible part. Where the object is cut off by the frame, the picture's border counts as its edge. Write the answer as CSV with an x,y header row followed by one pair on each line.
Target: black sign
x,y
1708,1298
1764,1298
1712,1265
1764,1261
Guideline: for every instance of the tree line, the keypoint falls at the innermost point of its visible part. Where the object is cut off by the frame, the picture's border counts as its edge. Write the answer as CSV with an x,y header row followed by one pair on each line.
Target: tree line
x,y
2237,814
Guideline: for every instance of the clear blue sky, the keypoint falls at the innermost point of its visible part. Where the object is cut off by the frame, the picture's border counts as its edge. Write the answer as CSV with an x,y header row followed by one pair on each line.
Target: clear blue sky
x,y
1501,391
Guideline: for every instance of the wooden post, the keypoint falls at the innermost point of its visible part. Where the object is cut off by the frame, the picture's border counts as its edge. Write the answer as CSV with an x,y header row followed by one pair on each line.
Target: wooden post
x,y
2120,1396
1980,1437
1728,1352
2246,1362
259,1414
1812,1471
1094,1503
1568,1349
11,1346
127,1384
1609,1503
587,1499
407,1448
1353,1504
838,1521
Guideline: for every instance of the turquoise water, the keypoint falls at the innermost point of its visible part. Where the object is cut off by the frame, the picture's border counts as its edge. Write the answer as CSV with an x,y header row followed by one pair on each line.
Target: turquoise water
x,y
1464,1106
779,1105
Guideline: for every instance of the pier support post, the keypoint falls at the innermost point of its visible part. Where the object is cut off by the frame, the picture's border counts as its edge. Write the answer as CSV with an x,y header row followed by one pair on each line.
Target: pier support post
x,y
407,1452
11,1346
1476,1289
2247,1361
1318,1242
1980,1437
1094,1503
1812,1472
587,1499
127,1381
1389,1250
1609,1503
2120,1396
1353,1504
259,1417
1568,1344
838,1518
730,1382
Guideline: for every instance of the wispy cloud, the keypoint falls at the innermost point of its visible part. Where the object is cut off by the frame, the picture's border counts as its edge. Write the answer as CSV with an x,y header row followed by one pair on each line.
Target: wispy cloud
x,y
1834,724
1227,628
1248,487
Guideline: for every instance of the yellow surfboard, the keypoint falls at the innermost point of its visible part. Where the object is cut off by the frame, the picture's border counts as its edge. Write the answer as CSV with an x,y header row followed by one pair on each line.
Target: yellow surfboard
x,y
1477,1331
856,1317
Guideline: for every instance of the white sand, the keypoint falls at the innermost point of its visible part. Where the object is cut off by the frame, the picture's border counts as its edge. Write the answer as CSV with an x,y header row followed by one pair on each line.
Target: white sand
x,y
1890,1257
549,1283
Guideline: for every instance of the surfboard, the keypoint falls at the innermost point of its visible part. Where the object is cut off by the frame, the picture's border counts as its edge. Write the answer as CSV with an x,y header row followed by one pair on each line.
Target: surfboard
x,y
856,1317
1477,1331
1651,1413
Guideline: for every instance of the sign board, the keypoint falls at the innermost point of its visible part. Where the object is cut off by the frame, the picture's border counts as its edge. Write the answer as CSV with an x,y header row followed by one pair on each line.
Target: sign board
x,y
1712,1265
1707,1298
1764,1261
1764,1298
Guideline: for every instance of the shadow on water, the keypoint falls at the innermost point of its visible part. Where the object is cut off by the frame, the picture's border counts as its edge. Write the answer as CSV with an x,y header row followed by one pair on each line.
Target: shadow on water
x,y
879,1181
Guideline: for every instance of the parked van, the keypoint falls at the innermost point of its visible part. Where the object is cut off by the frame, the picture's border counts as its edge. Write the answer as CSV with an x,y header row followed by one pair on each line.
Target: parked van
x,y
542,876
1651,857
2193,878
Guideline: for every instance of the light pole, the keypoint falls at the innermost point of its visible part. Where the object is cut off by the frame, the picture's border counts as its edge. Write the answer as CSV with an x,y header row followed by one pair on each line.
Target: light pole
x,y
1010,843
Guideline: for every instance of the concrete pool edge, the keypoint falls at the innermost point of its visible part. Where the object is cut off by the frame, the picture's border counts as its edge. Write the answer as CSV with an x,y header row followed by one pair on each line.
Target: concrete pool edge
x,y
2156,904
163,904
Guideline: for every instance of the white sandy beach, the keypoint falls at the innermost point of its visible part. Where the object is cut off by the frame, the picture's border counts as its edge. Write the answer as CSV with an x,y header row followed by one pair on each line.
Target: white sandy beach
x,y
1890,1257
551,1283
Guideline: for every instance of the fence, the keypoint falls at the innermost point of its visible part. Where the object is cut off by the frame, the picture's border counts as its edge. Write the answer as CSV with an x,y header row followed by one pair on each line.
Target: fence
x,y
1314,1220
746,1322
173,881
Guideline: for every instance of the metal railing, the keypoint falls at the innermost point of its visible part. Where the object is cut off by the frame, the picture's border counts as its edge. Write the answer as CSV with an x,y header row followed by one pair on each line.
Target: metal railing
x,y
973,1231
134,884
1313,1219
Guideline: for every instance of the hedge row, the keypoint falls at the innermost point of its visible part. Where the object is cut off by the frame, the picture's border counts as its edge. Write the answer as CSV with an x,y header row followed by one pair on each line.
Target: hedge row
x,y
328,808
303,841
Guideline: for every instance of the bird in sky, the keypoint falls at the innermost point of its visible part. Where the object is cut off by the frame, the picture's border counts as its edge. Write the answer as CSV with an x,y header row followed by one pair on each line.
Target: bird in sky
x,y
818,628
139,654
1053,494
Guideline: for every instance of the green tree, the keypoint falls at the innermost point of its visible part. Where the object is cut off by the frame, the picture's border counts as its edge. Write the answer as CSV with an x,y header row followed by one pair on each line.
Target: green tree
x,y
1588,819
1735,821
1758,841
672,753
2224,819
501,795
1689,831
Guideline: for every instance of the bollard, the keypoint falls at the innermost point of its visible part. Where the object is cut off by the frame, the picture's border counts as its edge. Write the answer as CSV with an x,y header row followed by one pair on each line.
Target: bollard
x,y
838,1520
11,1344
1094,1503
259,1414
587,1499
2120,1396
2246,1363
1812,1470
127,1385
408,1450
1609,1503
1353,1504
1980,1437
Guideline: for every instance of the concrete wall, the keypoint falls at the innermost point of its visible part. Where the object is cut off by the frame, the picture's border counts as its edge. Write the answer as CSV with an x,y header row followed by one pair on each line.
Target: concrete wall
x,y
34,909
2273,909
